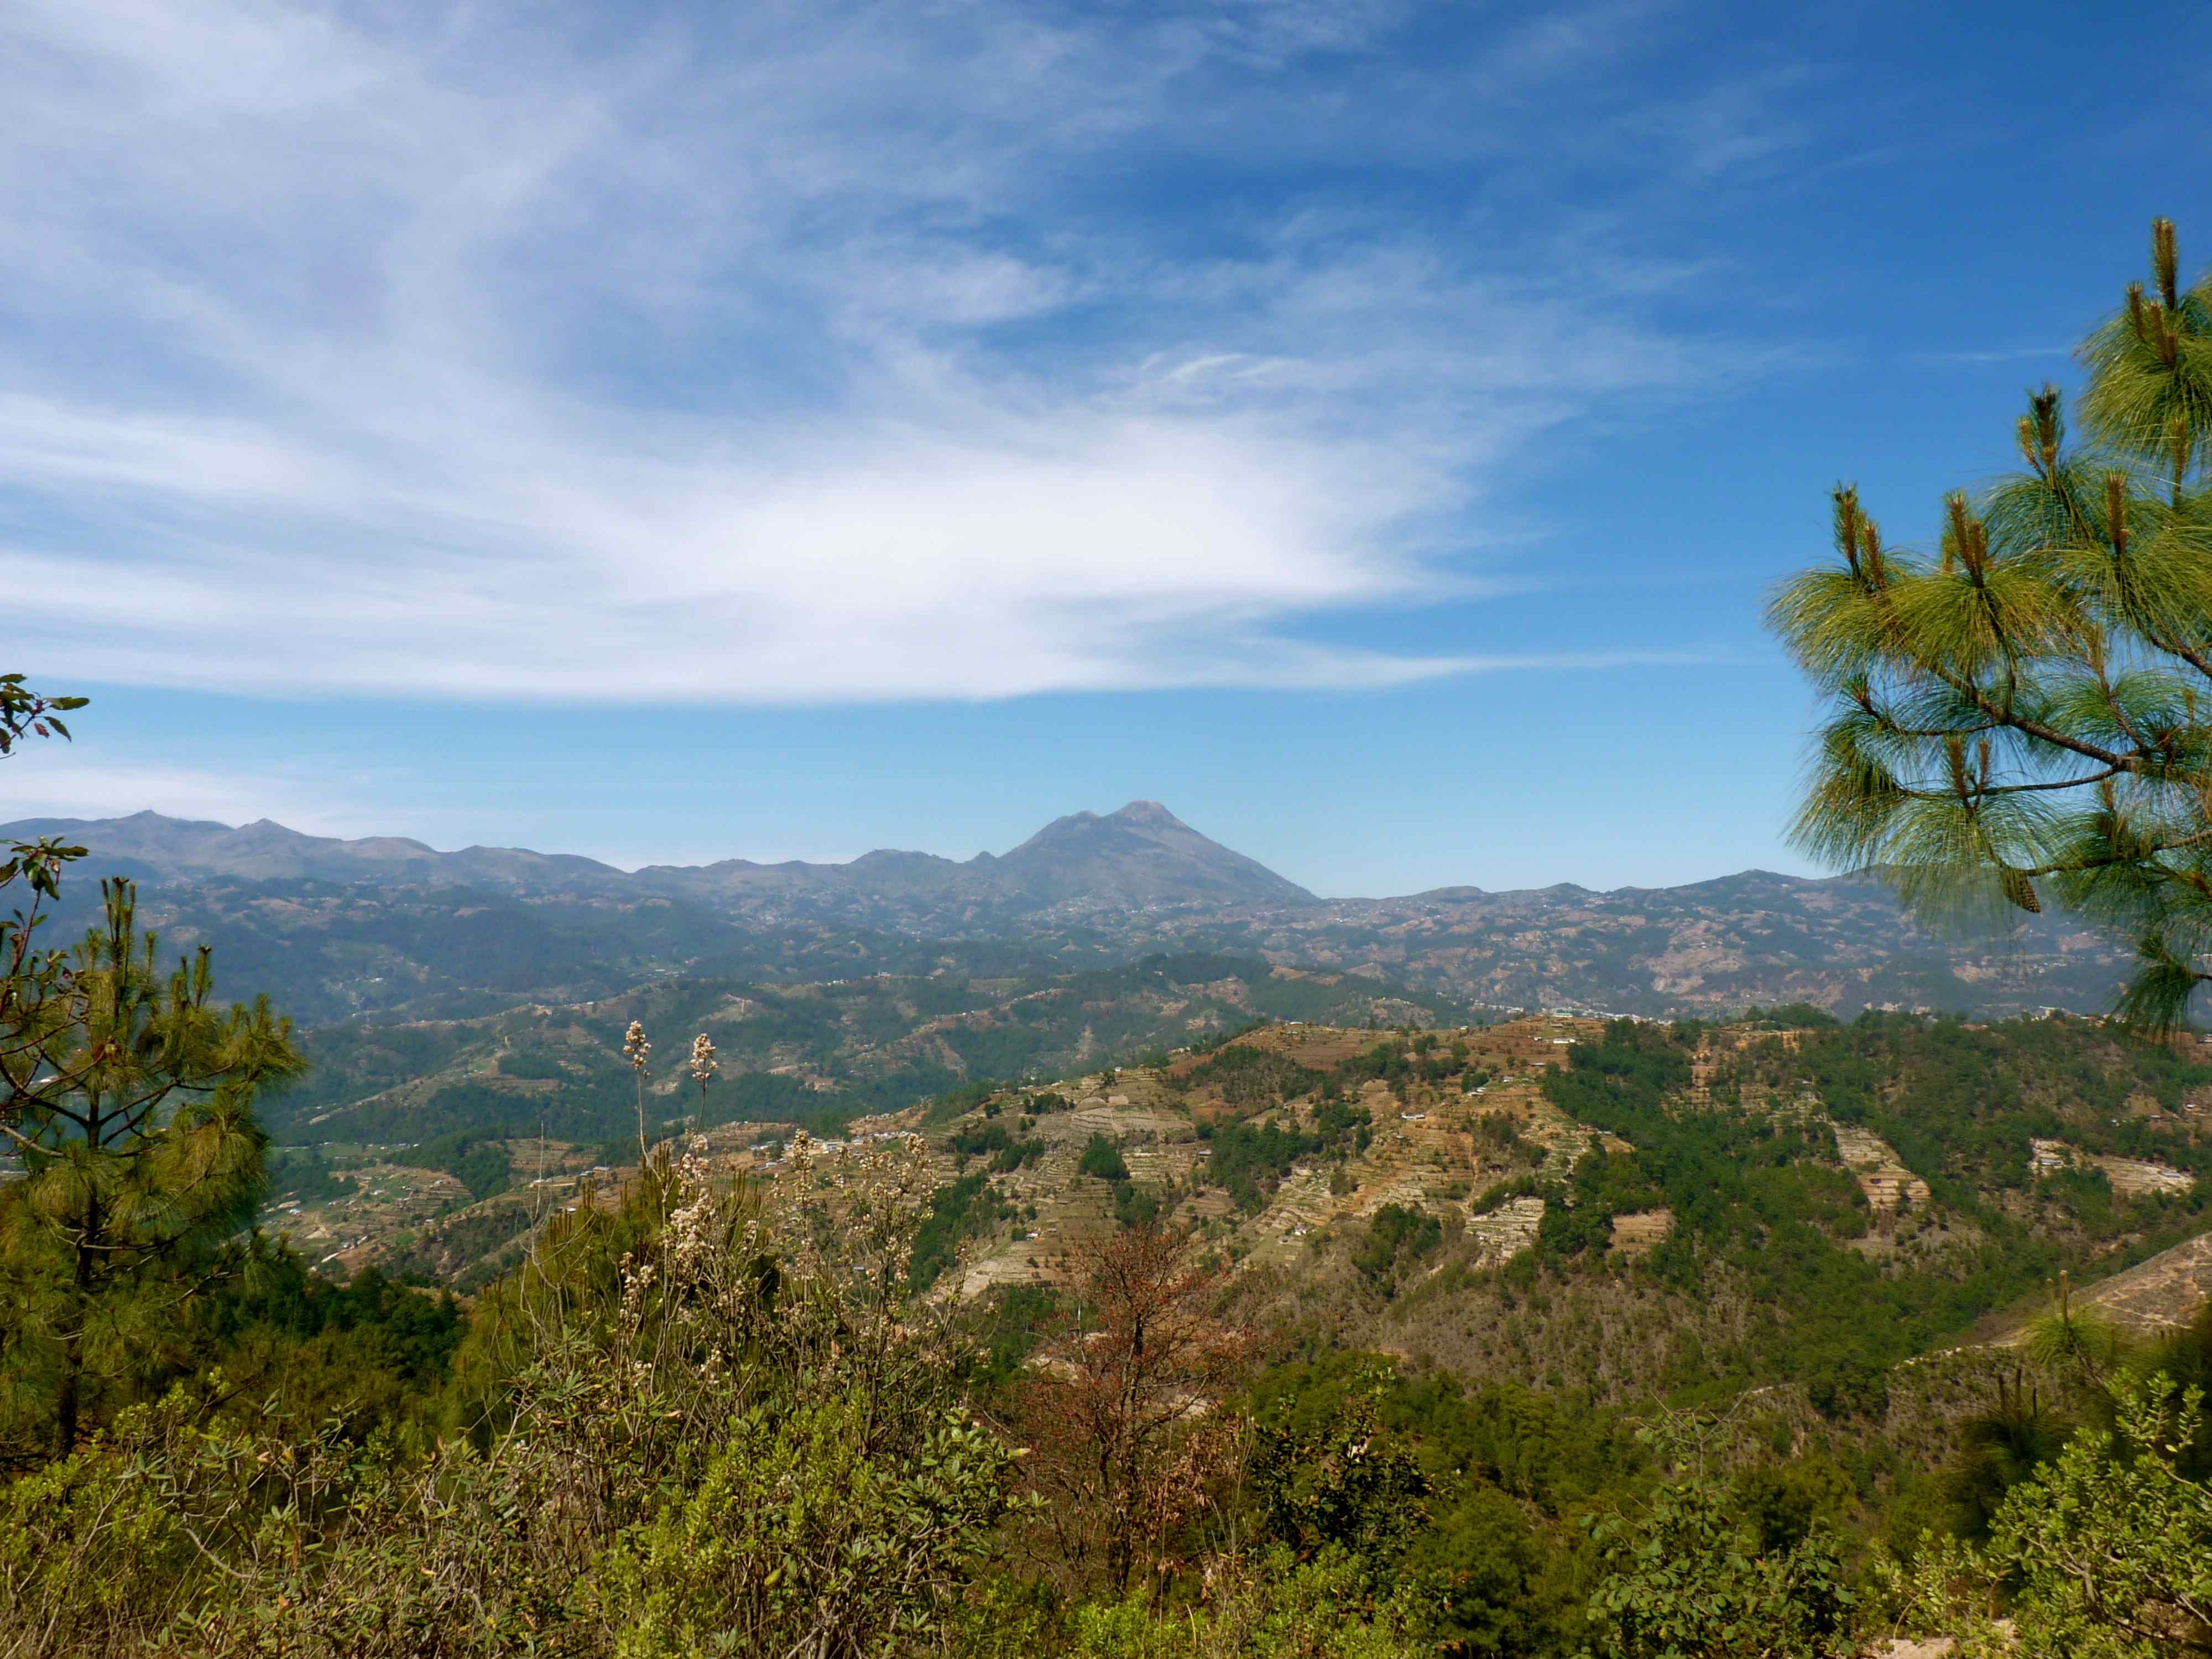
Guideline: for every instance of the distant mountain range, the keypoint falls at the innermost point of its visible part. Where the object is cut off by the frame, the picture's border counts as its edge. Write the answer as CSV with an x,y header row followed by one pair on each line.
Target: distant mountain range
x,y
1141,857
388,925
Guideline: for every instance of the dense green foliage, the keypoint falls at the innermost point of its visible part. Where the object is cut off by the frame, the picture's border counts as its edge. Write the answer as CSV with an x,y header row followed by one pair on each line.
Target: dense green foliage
x,y
1960,1102
1756,1191
1456,1504
1102,1159
1692,1571
1397,1239
738,1435
478,1162
1248,1162
301,1174
2103,1550
1246,1075
127,1093
958,1212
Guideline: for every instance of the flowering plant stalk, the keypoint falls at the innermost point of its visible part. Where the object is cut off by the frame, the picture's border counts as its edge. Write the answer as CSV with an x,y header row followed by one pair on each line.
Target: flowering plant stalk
x,y
636,1048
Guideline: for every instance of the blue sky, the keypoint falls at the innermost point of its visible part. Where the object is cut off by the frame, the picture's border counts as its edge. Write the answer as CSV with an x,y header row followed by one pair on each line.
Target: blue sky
x,y
676,432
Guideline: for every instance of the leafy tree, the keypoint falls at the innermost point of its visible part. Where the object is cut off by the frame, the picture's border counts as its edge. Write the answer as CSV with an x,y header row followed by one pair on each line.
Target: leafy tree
x,y
2107,1549
1246,1075
127,1095
1100,1159
29,977
2111,1544
1691,1577
2027,709
1135,1205
1447,1559
1249,1163
1473,1579
1463,1542
965,1144
1121,1410
1397,1236
283,1349
1849,1387
1343,1480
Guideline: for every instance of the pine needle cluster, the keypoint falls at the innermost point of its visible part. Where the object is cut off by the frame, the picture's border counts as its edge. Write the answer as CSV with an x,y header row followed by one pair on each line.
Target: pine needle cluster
x,y
2027,709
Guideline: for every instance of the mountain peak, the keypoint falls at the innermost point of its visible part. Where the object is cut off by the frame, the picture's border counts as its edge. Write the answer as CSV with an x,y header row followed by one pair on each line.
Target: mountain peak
x,y
1150,814
1140,856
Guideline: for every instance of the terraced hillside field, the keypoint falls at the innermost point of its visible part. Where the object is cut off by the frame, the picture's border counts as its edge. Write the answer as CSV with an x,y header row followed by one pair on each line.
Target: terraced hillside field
x,y
816,1052
417,1142
1612,1208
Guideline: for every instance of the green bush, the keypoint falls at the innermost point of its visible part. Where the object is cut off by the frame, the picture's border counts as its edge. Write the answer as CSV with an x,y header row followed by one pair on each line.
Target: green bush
x,y
1274,1606
713,1421
1397,1237
804,1534
1689,1572
2106,1551
1101,1159
1247,1163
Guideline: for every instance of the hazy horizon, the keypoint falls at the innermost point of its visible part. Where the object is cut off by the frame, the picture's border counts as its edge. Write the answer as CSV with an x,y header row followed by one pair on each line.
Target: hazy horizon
x,y
741,856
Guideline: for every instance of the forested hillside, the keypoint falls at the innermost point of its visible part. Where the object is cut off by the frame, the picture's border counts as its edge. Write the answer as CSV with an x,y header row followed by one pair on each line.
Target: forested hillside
x,y
1706,1208
832,1050
1469,1311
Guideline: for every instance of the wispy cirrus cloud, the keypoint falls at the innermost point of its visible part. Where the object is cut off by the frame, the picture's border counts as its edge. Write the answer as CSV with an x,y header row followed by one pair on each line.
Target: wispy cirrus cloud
x,y
795,354
2025,354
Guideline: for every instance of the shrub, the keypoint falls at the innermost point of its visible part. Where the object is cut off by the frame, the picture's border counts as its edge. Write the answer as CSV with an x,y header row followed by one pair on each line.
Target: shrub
x,y
1397,1237
742,1435
1248,1163
1690,1573
1100,1159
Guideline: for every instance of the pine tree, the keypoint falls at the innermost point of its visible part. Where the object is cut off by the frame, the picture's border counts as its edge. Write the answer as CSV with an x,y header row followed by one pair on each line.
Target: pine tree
x,y
27,973
2029,710
127,1095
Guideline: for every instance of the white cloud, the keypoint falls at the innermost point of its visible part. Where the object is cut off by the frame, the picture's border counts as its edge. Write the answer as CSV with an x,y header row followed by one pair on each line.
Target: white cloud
x,y
1997,354
793,362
